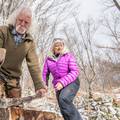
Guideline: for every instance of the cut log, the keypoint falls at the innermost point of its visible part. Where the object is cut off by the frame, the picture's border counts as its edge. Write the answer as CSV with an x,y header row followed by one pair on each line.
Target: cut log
x,y
10,102
40,115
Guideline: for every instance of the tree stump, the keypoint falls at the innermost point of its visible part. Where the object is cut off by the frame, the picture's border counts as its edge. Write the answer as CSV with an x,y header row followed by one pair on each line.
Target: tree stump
x,y
40,115
4,114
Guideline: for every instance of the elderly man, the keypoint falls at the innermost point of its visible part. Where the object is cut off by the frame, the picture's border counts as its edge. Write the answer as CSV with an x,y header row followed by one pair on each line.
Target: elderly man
x,y
16,44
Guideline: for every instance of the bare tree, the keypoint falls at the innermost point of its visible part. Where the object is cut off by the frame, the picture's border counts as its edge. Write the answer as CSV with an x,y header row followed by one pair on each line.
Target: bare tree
x,y
7,7
110,65
113,34
112,4
116,3
82,45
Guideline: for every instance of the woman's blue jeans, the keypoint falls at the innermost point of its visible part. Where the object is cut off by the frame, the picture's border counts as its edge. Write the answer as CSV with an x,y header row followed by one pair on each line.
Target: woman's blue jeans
x,y
65,100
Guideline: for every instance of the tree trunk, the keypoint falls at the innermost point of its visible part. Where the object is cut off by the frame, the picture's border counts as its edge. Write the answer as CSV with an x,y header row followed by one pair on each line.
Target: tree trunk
x,y
116,4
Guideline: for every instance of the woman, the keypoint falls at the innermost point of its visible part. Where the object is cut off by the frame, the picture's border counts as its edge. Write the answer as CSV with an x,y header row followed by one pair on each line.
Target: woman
x,y
63,67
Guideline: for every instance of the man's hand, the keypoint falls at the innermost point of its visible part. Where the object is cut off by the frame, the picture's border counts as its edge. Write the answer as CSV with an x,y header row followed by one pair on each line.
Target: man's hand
x,y
58,86
41,92
2,55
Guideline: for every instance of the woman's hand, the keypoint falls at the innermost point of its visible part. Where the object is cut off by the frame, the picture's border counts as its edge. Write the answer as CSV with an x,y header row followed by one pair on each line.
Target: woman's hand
x,y
58,86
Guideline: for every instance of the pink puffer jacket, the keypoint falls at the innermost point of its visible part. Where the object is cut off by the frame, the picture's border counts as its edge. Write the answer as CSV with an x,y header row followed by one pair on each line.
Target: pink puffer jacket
x,y
63,70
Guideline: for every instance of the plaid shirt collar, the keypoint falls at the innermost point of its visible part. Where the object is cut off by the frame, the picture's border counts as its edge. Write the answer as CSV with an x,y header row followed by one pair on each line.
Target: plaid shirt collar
x,y
18,38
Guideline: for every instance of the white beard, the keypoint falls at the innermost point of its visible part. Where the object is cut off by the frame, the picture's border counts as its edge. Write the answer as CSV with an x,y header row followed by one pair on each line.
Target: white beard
x,y
20,29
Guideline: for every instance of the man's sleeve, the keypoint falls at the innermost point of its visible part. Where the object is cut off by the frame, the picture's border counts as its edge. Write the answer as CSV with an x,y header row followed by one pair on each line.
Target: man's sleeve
x,y
45,72
34,67
1,39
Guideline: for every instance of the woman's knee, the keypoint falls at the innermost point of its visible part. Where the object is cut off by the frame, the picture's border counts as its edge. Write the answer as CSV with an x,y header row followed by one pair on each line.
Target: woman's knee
x,y
63,100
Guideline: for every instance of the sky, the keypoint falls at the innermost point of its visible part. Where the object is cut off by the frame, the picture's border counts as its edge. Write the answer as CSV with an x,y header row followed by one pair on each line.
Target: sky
x,y
90,8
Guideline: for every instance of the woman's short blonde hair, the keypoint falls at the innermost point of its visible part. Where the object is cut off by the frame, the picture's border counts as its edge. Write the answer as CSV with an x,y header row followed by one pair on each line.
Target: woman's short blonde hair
x,y
55,40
